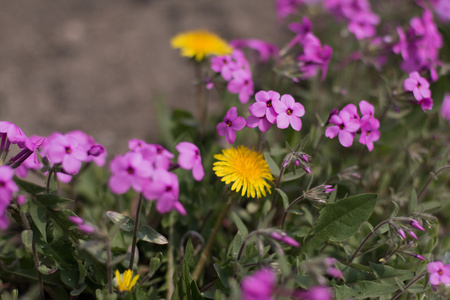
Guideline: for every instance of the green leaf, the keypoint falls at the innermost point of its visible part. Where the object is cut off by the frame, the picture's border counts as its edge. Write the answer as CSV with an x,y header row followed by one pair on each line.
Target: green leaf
x,y
70,278
195,291
272,164
46,270
340,220
148,234
29,187
284,197
293,175
52,201
39,216
412,202
27,239
239,224
126,223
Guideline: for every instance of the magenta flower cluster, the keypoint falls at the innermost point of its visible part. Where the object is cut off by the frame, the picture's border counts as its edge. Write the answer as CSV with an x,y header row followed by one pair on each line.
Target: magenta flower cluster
x,y
419,45
347,123
70,150
146,168
269,108
439,273
235,69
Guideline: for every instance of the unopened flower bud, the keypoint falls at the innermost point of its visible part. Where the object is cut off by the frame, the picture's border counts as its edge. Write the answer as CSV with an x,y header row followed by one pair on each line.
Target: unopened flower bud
x,y
412,234
418,256
416,225
285,239
401,233
96,150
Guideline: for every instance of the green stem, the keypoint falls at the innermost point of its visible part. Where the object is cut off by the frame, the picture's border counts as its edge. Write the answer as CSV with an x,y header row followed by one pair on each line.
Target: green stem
x,y
275,194
35,256
288,208
367,238
409,285
109,265
433,176
205,253
135,230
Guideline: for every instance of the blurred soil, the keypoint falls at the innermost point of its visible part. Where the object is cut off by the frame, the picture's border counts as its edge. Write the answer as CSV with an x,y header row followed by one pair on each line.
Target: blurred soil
x,y
97,65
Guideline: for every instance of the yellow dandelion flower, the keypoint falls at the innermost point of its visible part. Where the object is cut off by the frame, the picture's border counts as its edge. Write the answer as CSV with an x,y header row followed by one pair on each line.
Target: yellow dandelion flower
x,y
200,43
247,169
124,282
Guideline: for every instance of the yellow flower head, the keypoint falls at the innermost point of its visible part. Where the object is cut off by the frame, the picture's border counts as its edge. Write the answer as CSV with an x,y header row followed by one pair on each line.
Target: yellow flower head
x,y
200,43
124,282
247,169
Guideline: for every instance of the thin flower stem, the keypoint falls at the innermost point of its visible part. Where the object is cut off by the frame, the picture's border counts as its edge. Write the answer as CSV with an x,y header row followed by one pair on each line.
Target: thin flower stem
x,y
109,265
409,285
367,238
205,253
275,193
433,176
35,256
288,208
136,226
241,250
170,262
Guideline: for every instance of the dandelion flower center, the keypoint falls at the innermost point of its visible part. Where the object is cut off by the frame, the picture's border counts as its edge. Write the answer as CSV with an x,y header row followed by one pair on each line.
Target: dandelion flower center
x,y
247,169
200,43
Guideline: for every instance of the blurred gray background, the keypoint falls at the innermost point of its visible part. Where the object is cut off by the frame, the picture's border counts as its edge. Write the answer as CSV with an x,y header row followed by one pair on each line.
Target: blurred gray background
x,y
97,65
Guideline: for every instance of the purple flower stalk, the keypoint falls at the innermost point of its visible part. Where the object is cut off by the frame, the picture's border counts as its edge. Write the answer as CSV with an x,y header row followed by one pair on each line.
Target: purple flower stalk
x,y
230,125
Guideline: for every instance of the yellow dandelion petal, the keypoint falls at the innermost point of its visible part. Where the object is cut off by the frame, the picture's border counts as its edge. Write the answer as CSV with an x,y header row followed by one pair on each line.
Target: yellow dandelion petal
x,y
125,283
199,44
247,169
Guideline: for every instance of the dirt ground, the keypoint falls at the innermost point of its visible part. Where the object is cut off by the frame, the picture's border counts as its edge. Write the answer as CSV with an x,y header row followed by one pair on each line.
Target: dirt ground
x,y
96,65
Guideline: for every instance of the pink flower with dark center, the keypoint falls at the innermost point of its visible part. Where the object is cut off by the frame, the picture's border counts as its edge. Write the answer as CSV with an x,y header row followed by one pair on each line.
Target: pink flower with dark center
x,y
241,84
164,188
259,286
65,150
95,152
439,273
352,110
366,109
129,170
190,159
264,49
369,131
418,85
289,112
157,155
261,122
425,103
230,125
345,127
224,65
263,107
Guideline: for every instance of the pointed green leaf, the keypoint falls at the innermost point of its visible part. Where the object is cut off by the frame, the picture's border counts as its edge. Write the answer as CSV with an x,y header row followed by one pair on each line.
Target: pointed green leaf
x,y
272,164
284,197
148,234
340,220
27,239
52,201
39,215
29,187
239,224
126,223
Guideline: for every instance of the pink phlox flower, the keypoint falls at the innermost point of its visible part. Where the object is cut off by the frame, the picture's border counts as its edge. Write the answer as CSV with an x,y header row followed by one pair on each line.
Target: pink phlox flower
x,y
95,152
259,286
289,112
264,49
315,293
426,104
263,107
345,127
369,131
352,110
224,65
367,109
300,29
261,122
136,144
363,25
418,85
283,237
231,123
285,8
82,226
439,273
442,9
14,134
66,150
32,161
164,188
7,189
445,107
190,159
129,170
157,155
314,56
241,84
